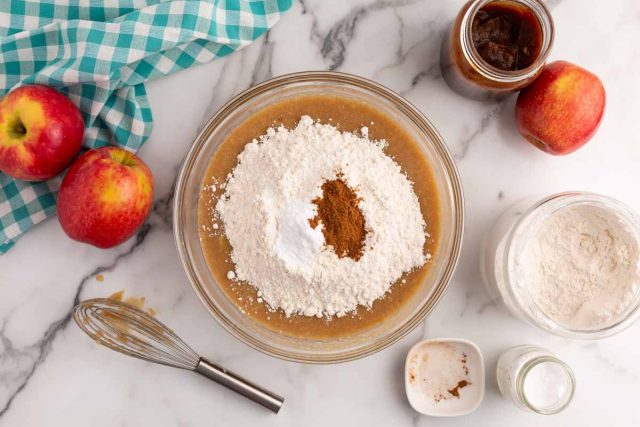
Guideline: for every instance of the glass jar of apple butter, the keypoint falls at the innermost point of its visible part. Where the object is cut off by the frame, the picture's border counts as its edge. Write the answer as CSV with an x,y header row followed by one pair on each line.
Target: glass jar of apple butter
x,y
496,47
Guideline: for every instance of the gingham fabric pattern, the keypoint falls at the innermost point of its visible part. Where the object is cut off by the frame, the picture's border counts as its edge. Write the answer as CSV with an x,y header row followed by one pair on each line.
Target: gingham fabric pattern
x,y
100,52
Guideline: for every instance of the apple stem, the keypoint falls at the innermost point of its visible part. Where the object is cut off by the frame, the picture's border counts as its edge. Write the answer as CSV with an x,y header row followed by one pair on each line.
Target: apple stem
x,y
123,157
18,129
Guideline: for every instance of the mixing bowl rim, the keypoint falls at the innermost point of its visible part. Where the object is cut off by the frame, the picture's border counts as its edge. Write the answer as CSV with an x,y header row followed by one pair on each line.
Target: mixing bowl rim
x,y
454,192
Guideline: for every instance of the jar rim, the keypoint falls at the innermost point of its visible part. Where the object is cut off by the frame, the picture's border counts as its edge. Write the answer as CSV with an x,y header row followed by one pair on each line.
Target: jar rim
x,y
522,375
490,72
519,233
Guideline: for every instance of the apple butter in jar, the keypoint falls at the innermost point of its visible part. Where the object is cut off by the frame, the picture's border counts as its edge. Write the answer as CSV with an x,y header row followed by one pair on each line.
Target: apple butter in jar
x,y
496,47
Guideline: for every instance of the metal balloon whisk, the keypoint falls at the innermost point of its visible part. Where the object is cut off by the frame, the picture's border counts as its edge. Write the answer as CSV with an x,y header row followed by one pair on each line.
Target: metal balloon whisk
x,y
131,331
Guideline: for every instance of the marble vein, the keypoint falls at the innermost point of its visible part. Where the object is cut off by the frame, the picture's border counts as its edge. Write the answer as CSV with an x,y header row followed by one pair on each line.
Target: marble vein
x,y
488,118
163,207
334,43
41,348
434,27
262,68
396,43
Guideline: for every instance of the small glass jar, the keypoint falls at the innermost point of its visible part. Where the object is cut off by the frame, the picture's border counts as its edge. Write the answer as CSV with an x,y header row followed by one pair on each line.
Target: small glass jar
x,y
467,73
504,245
535,379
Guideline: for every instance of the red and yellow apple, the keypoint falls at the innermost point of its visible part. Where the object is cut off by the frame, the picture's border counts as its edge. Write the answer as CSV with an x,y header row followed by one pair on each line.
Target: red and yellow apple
x,y
562,109
105,197
41,133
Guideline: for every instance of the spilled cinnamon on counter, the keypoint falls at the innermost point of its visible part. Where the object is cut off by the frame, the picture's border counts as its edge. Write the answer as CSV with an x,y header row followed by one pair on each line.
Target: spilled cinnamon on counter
x,y
343,224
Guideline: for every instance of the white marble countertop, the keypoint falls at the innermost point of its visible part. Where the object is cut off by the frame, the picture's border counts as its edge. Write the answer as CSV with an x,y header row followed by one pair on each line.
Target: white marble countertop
x,y
51,374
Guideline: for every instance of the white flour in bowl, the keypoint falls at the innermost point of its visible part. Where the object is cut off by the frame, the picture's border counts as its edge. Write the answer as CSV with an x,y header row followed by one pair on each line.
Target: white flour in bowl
x,y
268,202
581,267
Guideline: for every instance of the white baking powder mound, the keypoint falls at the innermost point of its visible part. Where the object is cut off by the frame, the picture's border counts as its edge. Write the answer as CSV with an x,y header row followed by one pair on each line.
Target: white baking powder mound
x,y
267,204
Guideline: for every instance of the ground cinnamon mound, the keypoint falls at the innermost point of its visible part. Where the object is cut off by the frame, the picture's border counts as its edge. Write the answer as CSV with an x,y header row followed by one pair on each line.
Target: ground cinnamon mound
x,y
343,224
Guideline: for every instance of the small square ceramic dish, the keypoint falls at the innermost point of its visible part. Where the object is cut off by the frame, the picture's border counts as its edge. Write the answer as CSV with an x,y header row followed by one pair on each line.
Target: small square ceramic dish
x,y
444,377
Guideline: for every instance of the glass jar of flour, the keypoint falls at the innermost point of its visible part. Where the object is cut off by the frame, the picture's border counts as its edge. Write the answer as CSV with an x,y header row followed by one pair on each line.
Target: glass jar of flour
x,y
535,379
568,263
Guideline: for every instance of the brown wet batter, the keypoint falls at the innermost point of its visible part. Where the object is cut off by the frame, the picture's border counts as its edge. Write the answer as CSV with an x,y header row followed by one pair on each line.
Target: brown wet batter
x,y
507,35
347,115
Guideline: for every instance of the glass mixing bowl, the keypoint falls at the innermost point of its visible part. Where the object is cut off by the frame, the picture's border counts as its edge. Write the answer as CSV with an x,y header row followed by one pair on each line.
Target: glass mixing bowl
x,y
362,343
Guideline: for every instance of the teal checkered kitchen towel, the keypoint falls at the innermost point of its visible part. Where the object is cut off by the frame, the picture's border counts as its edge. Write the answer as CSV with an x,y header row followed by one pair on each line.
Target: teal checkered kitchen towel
x,y
100,52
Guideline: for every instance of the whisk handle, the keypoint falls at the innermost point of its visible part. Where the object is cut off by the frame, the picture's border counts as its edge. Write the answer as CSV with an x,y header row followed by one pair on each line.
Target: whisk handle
x,y
222,376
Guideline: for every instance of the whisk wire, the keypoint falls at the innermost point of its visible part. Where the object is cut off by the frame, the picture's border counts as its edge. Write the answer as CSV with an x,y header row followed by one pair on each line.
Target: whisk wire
x,y
166,344
142,349
131,331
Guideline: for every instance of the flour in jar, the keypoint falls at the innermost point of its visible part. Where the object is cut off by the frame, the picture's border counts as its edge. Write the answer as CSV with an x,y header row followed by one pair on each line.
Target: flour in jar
x,y
582,267
269,212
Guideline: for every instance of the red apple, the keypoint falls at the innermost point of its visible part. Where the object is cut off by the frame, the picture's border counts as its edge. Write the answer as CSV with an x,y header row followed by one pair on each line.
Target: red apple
x,y
562,109
105,197
40,133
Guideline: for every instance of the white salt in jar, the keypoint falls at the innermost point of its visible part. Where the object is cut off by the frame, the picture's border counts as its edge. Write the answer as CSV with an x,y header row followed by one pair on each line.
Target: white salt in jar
x,y
569,263
535,379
